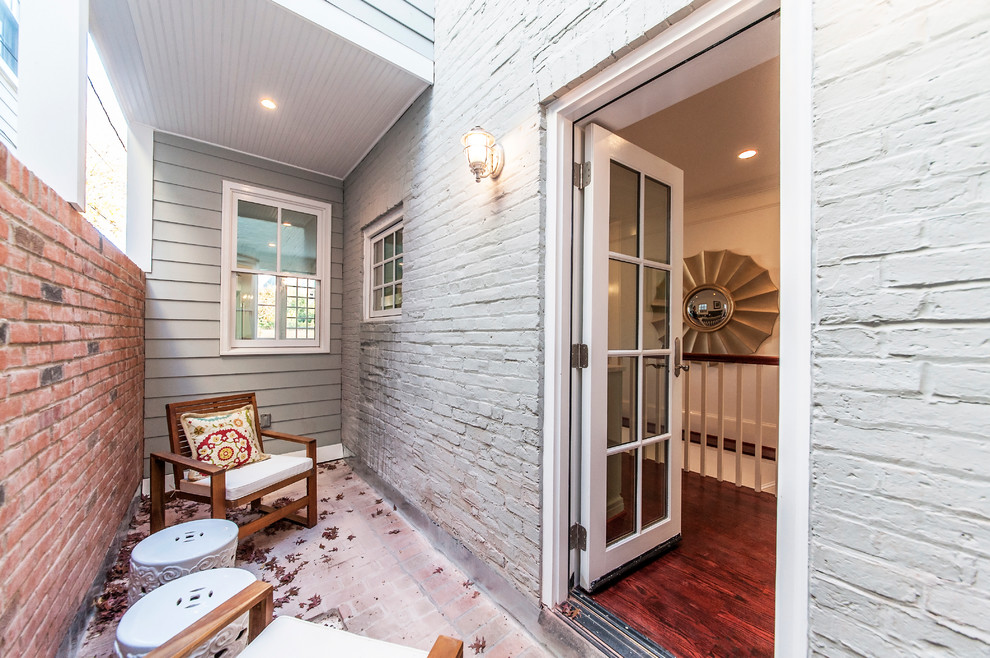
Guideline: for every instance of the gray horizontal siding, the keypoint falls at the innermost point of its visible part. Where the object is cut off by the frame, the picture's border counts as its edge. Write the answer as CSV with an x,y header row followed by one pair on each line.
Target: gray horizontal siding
x,y
182,315
410,22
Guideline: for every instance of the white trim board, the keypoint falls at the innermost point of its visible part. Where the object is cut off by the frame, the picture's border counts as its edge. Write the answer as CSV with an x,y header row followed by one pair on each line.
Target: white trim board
x,y
323,454
702,28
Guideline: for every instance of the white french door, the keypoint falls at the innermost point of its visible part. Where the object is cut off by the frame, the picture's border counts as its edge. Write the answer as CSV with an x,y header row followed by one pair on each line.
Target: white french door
x,y
631,322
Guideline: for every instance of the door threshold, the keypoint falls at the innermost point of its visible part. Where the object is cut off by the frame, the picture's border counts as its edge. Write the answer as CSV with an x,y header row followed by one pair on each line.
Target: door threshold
x,y
605,631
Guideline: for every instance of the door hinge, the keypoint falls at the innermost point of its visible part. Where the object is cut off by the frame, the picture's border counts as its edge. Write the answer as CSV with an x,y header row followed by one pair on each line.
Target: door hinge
x,y
581,175
577,537
579,355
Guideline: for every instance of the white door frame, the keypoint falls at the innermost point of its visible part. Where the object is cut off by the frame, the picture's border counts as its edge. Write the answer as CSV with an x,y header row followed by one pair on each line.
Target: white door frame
x,y
702,28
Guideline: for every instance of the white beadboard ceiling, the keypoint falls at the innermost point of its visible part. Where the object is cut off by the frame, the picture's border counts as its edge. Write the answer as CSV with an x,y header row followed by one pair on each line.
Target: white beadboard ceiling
x,y
200,67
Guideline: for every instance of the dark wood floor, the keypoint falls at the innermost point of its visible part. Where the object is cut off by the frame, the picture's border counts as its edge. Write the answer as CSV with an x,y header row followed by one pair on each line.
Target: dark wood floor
x,y
713,595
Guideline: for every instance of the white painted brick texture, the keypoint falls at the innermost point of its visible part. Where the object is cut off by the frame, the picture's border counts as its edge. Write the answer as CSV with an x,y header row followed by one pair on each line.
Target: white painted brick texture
x,y
445,402
900,511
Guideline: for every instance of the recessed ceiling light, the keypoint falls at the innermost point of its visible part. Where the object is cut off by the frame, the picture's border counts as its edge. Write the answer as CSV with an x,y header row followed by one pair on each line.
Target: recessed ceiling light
x,y
747,154
268,103
271,244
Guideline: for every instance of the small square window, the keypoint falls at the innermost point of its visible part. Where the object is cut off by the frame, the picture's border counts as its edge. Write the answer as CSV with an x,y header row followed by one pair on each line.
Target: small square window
x,y
383,267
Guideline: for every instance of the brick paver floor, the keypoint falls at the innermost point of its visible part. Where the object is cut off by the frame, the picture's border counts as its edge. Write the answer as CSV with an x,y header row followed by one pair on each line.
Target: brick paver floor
x,y
362,559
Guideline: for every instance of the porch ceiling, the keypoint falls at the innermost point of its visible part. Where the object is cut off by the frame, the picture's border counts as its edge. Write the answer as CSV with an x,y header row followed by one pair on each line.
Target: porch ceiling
x,y
199,69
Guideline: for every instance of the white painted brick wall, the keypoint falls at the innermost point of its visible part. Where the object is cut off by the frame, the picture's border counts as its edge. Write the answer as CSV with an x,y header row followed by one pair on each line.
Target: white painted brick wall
x,y
445,402
900,511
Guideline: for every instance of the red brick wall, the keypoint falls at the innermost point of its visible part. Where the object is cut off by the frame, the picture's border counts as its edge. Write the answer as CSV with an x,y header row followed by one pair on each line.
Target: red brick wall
x,y
71,398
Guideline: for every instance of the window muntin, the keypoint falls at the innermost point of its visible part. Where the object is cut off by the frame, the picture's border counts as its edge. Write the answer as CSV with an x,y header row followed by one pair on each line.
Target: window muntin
x,y
275,290
384,256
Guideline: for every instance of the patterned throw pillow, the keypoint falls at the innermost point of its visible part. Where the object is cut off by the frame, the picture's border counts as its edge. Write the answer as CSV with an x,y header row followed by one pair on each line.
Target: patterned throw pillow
x,y
224,439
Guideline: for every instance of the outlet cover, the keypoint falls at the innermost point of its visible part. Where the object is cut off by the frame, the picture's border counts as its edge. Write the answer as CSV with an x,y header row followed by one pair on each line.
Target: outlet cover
x,y
266,421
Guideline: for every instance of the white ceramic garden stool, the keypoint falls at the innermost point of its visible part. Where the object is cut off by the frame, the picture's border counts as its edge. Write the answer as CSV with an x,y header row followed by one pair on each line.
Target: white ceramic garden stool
x,y
179,551
168,610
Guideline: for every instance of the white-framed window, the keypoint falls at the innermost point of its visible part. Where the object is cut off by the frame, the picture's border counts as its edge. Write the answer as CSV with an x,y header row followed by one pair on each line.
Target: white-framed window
x,y
275,274
383,256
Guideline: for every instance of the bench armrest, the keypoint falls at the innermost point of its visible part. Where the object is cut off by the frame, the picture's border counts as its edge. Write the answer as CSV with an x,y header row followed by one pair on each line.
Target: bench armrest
x,y
447,647
256,598
269,434
182,461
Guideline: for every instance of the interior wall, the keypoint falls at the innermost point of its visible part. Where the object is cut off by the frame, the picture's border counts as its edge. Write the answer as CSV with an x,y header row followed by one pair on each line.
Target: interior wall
x,y
746,221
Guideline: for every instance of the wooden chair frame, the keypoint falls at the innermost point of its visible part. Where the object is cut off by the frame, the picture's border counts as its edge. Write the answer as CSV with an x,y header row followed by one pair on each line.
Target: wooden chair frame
x,y
181,459
256,599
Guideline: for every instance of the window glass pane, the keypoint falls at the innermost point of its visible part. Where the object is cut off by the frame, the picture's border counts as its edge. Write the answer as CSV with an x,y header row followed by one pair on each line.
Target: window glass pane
x,y
389,246
656,297
622,305
655,398
298,309
379,246
257,235
398,242
398,295
656,221
620,410
655,482
623,211
254,306
298,242
387,297
376,299
9,16
620,492
398,269
389,271
379,275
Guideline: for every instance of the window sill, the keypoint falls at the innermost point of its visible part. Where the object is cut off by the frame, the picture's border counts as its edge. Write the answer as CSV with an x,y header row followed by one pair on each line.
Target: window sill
x,y
272,351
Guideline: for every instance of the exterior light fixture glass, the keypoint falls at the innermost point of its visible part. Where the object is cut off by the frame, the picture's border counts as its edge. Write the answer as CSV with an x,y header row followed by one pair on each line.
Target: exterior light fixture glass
x,y
484,156
268,104
747,154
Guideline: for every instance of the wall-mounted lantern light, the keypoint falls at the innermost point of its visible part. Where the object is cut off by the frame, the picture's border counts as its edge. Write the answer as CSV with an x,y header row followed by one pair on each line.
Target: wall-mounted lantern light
x,y
484,156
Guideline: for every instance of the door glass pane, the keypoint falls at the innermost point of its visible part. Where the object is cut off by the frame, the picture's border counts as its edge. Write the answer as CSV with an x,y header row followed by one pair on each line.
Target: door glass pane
x,y
655,400
656,221
656,298
656,460
257,235
255,306
298,242
623,211
622,302
622,399
620,492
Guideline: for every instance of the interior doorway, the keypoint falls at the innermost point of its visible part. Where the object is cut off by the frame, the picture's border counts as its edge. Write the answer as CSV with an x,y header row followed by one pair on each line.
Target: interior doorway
x,y
706,586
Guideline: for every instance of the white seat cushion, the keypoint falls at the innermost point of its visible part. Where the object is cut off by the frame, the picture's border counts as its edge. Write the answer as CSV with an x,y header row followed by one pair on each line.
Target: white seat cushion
x,y
288,636
247,479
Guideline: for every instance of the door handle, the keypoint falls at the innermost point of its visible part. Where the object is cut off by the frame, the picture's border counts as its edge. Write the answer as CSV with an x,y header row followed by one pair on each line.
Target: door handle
x,y
678,366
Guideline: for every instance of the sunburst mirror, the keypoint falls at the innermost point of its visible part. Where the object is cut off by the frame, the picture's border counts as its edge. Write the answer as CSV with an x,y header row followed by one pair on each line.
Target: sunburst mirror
x,y
730,305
